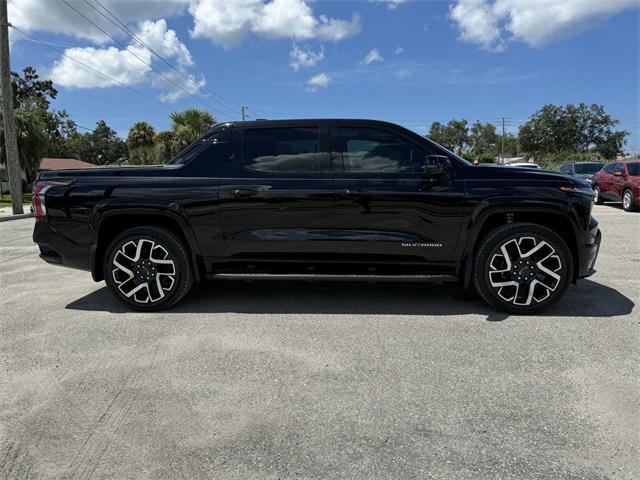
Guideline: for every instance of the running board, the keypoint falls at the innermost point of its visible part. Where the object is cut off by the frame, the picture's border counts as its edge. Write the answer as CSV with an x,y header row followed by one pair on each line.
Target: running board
x,y
335,278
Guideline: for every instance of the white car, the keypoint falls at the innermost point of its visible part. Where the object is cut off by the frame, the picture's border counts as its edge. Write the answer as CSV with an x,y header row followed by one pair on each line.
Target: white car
x,y
524,165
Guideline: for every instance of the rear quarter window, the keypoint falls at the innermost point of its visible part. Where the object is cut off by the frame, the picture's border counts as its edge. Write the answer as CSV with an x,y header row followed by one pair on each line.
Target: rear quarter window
x,y
633,169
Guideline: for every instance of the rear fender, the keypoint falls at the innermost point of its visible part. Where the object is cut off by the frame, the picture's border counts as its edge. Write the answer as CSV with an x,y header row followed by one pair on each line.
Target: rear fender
x,y
172,213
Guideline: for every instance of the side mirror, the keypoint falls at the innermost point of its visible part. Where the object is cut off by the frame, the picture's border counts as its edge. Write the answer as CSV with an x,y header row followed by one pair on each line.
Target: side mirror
x,y
617,173
435,164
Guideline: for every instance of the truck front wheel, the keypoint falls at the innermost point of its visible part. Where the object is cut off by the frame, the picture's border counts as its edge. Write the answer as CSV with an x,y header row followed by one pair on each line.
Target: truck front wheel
x,y
148,268
522,268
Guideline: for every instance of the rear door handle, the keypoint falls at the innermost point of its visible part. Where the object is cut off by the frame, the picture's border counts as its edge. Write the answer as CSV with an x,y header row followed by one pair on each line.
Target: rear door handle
x,y
243,192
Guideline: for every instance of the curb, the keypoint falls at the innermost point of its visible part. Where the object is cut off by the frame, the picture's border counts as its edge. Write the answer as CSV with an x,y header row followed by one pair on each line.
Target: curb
x,y
15,217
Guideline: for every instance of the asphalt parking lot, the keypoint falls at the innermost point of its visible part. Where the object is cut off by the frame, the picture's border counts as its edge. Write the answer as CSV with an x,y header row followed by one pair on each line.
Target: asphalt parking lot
x,y
275,381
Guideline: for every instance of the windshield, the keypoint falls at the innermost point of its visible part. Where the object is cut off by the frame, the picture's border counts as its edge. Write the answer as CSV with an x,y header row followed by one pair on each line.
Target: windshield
x,y
587,168
634,169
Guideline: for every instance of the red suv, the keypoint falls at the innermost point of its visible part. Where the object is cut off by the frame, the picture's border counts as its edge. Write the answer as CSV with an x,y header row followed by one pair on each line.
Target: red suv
x,y
618,181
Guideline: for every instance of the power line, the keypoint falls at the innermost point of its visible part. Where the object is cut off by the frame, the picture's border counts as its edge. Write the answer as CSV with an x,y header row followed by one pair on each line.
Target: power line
x,y
123,27
126,48
91,130
104,75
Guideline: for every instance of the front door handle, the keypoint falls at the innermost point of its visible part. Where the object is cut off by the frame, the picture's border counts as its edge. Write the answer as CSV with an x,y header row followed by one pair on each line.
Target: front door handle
x,y
243,192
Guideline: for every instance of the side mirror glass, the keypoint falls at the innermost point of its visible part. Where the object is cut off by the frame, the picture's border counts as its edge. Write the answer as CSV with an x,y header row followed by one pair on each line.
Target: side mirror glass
x,y
435,164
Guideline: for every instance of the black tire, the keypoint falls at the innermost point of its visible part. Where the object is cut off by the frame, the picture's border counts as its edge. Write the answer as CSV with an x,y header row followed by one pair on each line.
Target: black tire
x,y
629,203
597,199
148,255
536,287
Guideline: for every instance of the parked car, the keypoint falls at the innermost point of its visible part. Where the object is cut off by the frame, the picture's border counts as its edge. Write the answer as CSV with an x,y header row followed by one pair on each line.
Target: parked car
x,y
319,200
618,182
525,165
585,170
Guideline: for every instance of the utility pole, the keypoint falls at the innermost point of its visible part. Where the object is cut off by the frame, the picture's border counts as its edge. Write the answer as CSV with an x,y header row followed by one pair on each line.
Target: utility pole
x,y
243,109
502,154
8,116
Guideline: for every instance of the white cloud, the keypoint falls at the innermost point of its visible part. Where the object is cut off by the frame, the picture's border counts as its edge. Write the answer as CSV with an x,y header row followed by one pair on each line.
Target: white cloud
x,y
56,17
285,18
477,24
335,29
164,41
398,51
123,67
170,92
129,66
403,73
228,23
321,80
491,24
391,4
371,57
304,57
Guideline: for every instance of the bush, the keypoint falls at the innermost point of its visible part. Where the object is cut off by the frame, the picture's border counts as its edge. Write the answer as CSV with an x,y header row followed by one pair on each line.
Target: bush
x,y
142,156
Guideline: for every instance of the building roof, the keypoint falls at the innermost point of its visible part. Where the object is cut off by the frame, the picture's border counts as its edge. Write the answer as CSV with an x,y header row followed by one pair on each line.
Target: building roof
x,y
62,163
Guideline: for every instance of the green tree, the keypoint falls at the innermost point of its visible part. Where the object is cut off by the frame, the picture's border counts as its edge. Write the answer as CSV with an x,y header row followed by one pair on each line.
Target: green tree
x,y
36,125
165,146
140,136
60,128
453,136
29,92
511,145
190,124
572,129
102,146
142,156
483,141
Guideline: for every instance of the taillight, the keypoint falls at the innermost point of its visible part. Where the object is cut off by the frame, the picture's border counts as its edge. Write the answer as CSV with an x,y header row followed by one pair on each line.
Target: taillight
x,y
38,200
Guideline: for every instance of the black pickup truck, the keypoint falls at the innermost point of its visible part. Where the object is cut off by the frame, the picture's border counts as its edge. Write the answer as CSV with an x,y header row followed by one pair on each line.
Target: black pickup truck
x,y
349,200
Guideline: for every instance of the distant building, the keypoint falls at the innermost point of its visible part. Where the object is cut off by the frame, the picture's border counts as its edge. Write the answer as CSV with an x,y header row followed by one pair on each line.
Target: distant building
x,y
47,164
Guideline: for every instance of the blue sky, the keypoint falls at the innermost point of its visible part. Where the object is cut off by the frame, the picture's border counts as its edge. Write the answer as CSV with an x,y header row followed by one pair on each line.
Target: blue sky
x,y
410,62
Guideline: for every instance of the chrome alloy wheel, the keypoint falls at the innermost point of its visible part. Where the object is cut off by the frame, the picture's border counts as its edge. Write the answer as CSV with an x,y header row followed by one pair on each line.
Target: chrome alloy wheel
x,y
596,195
143,270
626,199
525,270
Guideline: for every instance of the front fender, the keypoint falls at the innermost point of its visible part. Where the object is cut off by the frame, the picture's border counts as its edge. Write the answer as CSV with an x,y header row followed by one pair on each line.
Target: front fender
x,y
491,213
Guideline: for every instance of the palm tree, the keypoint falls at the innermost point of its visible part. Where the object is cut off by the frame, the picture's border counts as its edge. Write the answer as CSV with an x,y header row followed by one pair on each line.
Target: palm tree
x,y
165,146
190,124
32,141
140,136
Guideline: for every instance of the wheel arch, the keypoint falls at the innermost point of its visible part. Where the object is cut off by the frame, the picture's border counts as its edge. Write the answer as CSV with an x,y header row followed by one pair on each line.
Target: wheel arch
x,y
108,224
559,221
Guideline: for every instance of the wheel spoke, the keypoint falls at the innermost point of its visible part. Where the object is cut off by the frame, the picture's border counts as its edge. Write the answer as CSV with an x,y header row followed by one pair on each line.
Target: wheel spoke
x,y
143,270
525,270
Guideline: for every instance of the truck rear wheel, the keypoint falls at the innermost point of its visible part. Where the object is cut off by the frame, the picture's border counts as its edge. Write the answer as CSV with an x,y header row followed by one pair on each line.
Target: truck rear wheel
x,y
148,268
522,268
